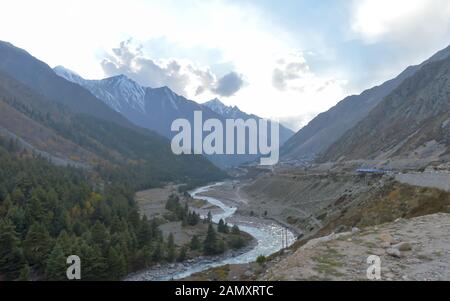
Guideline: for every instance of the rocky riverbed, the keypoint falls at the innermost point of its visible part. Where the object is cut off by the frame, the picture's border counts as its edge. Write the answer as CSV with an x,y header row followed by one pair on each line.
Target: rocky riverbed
x,y
174,271
269,236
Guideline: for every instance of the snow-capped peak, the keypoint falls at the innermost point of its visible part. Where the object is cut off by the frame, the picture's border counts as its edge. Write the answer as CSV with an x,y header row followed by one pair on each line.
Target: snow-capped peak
x,y
227,111
69,75
119,92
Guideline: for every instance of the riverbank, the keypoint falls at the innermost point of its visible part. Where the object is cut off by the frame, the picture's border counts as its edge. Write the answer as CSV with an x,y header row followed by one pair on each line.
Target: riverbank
x,y
179,270
268,239
232,193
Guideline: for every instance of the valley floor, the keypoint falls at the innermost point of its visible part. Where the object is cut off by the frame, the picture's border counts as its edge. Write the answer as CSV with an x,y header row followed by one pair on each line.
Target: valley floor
x,y
404,219
414,249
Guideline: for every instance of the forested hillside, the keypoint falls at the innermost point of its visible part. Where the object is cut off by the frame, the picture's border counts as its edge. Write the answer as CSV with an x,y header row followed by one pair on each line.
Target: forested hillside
x,y
68,179
48,213
139,158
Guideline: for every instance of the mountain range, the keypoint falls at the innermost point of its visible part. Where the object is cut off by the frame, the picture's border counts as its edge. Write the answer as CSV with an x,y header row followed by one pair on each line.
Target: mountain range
x,y
412,122
70,126
157,108
405,118
326,137
233,112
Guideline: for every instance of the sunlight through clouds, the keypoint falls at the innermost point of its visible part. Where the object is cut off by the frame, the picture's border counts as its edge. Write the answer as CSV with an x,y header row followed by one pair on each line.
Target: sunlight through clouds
x,y
245,52
404,21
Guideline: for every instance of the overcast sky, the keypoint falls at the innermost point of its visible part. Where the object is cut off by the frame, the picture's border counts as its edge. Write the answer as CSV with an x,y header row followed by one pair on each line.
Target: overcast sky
x,y
278,59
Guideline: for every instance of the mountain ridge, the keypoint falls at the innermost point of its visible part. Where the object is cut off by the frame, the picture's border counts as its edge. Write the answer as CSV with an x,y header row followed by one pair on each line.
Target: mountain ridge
x,y
157,108
413,121
109,146
316,137
37,75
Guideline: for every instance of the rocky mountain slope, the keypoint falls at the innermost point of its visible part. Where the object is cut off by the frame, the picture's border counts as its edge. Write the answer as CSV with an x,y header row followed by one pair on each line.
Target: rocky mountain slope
x,y
20,65
150,108
330,126
410,250
413,121
65,121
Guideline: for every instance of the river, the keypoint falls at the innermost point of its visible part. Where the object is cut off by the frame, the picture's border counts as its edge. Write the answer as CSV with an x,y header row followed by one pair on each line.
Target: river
x,y
268,236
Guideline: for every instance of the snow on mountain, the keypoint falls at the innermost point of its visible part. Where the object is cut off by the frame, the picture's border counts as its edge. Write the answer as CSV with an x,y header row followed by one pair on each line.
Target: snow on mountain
x,y
70,75
118,92
233,112
157,108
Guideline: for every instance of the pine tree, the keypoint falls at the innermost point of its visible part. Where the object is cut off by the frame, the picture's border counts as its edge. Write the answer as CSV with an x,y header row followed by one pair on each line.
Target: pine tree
x,y
134,218
3,193
221,246
186,210
35,212
144,234
156,232
184,222
17,197
37,246
25,273
210,243
182,255
66,243
193,218
100,236
173,203
117,266
5,204
16,215
56,264
222,227
195,243
115,224
237,242
157,253
10,252
94,265
170,248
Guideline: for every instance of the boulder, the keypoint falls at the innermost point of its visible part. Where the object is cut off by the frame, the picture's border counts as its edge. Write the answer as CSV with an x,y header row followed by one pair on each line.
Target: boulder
x,y
394,252
385,245
403,246
386,237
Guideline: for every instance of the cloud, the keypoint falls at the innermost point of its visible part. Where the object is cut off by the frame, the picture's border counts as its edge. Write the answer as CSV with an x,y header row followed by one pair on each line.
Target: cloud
x,y
293,73
145,71
288,71
408,22
182,76
229,84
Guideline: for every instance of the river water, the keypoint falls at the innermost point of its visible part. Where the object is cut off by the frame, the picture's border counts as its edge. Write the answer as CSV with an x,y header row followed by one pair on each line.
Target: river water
x,y
268,236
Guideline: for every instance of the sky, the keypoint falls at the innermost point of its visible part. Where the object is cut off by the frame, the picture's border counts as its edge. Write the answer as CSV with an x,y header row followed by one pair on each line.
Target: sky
x,y
287,60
